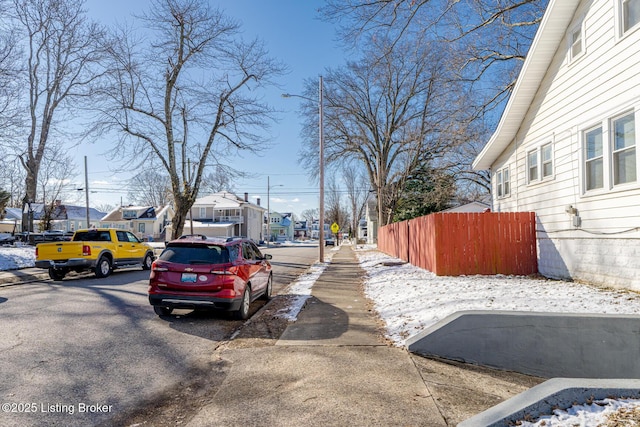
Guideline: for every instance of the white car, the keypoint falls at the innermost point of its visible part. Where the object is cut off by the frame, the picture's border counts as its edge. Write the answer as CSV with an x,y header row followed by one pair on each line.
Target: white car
x,y
6,239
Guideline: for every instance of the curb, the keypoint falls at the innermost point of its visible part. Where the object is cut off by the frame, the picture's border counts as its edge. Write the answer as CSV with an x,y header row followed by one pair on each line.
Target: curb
x,y
555,393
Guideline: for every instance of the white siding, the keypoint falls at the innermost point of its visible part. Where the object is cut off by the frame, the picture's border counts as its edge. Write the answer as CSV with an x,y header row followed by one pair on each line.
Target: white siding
x,y
592,89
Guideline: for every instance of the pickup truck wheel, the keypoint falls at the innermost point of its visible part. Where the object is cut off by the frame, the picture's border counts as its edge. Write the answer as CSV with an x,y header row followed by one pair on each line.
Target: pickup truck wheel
x,y
57,275
162,311
103,267
148,260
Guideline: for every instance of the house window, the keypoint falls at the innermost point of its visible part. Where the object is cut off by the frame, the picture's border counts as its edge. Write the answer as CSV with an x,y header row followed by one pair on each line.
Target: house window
x,y
203,213
532,165
630,14
547,160
624,150
141,227
594,172
503,182
577,45
540,163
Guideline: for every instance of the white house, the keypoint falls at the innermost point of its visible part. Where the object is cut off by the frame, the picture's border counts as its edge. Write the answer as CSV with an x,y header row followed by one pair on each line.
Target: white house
x,y
224,214
566,144
144,221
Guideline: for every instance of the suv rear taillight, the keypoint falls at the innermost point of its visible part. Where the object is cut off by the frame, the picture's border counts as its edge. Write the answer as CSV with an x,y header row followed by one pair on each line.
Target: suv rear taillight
x,y
86,250
155,268
36,252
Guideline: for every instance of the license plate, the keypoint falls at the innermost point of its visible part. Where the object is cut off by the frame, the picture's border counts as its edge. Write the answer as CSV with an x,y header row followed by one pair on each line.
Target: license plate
x,y
189,277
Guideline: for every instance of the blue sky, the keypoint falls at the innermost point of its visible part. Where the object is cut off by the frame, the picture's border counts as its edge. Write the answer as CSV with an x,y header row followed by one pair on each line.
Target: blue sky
x,y
293,34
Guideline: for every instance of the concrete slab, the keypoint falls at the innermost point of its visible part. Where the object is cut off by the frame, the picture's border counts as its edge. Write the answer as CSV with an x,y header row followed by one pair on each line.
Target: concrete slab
x,y
320,386
542,344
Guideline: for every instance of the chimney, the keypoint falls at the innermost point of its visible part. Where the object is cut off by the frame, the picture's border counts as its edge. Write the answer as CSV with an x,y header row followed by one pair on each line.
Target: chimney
x,y
246,197
258,201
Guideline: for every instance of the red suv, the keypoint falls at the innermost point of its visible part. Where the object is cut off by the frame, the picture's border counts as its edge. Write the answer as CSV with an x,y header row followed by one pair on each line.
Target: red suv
x,y
197,272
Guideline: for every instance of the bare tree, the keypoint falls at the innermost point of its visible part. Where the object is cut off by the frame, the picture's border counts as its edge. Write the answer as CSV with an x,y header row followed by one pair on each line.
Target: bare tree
x,y
150,188
12,178
63,50
310,215
105,207
487,41
357,186
189,98
56,170
335,210
221,179
10,82
490,38
390,113
5,196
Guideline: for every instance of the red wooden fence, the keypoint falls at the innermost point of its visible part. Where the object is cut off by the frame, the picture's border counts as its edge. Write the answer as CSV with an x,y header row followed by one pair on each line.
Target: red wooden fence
x,y
454,244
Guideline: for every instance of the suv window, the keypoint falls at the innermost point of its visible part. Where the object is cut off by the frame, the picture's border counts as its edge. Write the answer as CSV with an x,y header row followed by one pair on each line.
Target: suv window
x,y
247,251
234,252
195,254
256,251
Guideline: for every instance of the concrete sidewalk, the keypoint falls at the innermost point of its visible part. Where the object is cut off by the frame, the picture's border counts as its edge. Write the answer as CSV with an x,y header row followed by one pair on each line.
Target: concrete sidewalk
x,y
25,275
332,367
329,368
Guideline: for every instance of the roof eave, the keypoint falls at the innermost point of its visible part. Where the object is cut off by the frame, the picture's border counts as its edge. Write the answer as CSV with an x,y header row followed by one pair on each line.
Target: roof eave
x,y
550,34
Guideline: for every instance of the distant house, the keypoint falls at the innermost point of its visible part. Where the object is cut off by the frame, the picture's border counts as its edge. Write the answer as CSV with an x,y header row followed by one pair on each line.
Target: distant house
x,y
566,146
143,221
12,221
371,219
281,226
471,207
315,229
301,230
65,217
362,230
70,218
224,214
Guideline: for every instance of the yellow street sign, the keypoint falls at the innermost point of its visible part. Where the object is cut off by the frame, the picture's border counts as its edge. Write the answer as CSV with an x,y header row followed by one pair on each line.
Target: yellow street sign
x,y
335,228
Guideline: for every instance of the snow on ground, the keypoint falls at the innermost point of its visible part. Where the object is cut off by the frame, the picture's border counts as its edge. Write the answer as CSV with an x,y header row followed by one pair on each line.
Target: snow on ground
x,y
13,258
410,299
606,412
301,288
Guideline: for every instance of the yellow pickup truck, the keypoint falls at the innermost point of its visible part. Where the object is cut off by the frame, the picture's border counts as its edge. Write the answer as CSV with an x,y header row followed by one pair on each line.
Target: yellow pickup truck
x,y
101,250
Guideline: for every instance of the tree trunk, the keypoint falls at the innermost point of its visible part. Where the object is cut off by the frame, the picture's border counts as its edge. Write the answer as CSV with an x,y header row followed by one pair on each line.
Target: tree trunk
x,y
31,186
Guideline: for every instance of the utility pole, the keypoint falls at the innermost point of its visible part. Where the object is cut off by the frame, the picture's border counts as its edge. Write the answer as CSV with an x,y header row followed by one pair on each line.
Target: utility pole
x,y
321,144
86,188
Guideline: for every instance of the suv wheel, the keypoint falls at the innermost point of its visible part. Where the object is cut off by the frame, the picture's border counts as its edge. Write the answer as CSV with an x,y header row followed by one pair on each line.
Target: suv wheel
x,y
243,311
162,311
269,289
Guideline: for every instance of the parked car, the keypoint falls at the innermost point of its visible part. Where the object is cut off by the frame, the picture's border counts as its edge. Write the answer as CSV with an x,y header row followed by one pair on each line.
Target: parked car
x,y
6,239
329,241
199,272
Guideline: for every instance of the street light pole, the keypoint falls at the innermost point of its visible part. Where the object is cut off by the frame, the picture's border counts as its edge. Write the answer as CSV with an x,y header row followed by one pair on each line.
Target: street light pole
x,y
321,166
269,209
268,214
